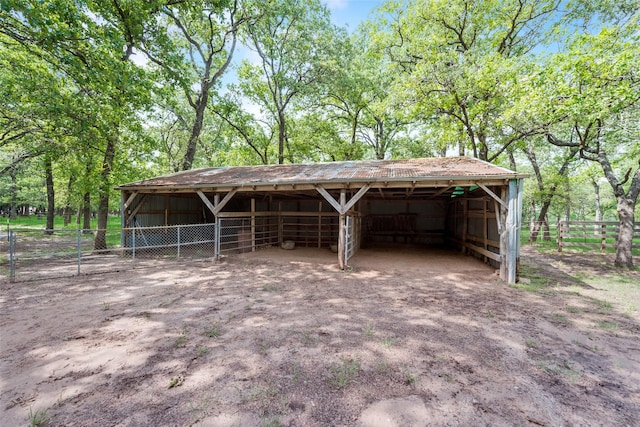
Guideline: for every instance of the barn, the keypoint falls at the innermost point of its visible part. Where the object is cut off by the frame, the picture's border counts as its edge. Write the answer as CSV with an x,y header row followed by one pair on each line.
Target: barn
x,y
453,202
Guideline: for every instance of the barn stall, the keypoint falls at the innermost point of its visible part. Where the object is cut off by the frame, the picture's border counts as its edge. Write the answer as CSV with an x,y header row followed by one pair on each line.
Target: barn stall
x,y
452,202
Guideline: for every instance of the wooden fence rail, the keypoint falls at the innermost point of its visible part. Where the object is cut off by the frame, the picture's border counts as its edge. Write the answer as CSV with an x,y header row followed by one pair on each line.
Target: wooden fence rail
x,y
592,234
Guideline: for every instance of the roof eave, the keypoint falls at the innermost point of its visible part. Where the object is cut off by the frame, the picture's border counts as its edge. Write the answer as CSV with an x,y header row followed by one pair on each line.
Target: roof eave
x,y
249,186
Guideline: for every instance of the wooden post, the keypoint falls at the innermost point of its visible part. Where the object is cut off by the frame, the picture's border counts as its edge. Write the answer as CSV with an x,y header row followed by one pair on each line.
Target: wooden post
x,y
319,224
167,205
485,206
465,224
280,224
504,242
513,230
341,231
253,225
603,238
560,228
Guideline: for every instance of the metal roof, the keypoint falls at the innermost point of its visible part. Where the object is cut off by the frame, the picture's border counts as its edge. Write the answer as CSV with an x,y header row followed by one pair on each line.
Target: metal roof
x,y
346,172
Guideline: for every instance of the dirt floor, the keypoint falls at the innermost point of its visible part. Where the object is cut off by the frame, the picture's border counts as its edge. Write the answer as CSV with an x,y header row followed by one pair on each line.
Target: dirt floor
x,y
404,338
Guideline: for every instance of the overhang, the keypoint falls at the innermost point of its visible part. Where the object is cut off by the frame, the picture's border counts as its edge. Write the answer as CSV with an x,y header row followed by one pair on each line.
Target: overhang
x,y
424,172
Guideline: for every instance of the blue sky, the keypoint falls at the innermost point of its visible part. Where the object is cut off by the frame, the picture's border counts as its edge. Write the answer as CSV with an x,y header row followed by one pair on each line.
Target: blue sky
x,y
351,12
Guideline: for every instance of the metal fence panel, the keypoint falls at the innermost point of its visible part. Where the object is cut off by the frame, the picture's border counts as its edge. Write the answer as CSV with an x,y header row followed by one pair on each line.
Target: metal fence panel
x,y
30,254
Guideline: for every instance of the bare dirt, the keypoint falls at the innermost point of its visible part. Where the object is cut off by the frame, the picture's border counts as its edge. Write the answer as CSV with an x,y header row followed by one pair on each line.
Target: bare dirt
x,y
405,338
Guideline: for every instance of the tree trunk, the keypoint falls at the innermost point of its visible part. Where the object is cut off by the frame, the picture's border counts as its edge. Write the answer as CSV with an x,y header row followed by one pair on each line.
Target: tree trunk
x,y
66,213
86,213
596,189
201,105
626,205
51,206
546,234
624,244
552,189
100,242
281,136
13,211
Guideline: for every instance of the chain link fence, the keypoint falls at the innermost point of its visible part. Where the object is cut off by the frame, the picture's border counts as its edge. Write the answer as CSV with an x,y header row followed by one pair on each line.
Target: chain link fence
x,y
32,254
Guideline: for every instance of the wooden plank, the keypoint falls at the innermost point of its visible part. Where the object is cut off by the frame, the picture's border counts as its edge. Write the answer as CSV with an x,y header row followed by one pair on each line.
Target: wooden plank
x,y
253,225
493,195
207,202
225,200
329,198
483,252
354,199
439,192
489,242
275,213
465,222
138,206
130,199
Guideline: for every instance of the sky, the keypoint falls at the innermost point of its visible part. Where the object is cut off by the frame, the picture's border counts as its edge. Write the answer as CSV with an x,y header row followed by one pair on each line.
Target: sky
x,y
350,13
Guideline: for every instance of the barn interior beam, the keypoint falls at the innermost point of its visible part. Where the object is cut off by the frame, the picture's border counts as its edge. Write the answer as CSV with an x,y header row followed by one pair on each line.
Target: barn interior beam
x,y
216,207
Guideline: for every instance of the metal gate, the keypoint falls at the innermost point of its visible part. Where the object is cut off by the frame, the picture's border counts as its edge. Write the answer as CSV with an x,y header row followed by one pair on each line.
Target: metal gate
x,y
350,243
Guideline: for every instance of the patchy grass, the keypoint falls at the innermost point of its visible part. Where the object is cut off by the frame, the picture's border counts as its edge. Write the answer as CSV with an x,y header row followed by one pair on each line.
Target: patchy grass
x,y
38,417
531,343
559,318
213,331
605,324
182,339
533,280
343,373
409,378
622,290
559,368
388,342
368,330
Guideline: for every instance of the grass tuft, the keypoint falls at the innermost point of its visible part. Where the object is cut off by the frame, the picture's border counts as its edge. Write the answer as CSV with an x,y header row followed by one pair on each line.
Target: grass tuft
x,y
37,418
342,374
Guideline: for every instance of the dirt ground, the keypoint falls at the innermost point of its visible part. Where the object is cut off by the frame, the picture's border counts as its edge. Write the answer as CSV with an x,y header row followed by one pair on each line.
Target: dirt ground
x,y
405,338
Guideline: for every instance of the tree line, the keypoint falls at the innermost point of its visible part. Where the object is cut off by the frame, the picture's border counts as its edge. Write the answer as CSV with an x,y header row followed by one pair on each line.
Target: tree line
x,y
98,93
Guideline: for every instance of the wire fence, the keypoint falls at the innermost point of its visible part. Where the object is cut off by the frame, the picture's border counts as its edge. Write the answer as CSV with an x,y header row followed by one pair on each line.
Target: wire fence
x,y
32,254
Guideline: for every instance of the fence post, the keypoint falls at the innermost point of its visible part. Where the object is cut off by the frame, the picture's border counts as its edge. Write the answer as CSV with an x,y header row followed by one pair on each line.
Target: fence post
x,y
560,232
216,249
178,241
603,238
79,240
12,258
133,244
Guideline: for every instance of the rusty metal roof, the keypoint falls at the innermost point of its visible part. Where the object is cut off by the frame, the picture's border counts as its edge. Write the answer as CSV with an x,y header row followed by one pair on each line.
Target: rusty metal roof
x,y
368,171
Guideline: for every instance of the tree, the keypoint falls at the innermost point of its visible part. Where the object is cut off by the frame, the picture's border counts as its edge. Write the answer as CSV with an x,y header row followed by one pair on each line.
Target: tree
x,y
193,44
594,88
90,44
458,62
293,40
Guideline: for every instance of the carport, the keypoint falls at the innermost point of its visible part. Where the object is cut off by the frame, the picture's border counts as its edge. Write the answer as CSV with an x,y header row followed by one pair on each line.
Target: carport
x,y
453,202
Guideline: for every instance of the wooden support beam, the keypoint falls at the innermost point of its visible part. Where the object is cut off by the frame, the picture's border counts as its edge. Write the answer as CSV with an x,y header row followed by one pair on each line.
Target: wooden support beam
x,y
439,192
355,198
342,232
493,195
130,199
343,207
329,198
225,200
217,206
207,202
138,206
